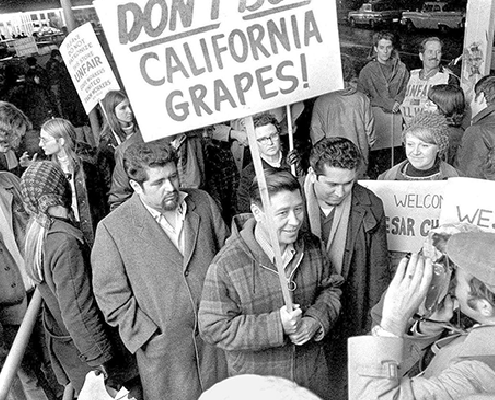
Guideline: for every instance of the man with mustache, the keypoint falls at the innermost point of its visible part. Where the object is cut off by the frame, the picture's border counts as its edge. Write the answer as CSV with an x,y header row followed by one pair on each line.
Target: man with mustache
x,y
150,259
420,80
350,221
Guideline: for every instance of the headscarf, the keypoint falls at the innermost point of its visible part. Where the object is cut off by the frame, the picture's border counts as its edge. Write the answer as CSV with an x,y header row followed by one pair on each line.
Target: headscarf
x,y
43,185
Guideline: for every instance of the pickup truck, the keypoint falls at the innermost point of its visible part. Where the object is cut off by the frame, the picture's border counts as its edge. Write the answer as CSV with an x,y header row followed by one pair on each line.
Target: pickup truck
x,y
434,15
374,13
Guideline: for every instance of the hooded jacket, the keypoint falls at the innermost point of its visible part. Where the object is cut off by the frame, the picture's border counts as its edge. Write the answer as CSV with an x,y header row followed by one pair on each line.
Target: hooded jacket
x,y
239,310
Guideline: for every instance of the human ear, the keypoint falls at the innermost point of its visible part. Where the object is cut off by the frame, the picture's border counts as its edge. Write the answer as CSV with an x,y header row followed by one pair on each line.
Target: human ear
x,y
485,308
135,186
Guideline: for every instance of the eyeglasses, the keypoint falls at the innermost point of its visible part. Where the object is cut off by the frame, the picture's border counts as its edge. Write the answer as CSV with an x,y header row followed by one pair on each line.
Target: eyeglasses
x,y
269,139
45,141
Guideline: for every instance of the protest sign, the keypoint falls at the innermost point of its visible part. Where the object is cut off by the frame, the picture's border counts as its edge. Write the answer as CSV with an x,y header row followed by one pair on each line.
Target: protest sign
x,y
88,66
469,200
25,47
412,208
187,64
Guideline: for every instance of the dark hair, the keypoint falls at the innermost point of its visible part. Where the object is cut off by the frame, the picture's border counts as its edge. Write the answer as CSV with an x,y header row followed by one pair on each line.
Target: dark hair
x,y
31,61
265,119
55,53
450,102
276,181
384,35
479,291
112,100
334,152
486,85
140,156
348,69
422,45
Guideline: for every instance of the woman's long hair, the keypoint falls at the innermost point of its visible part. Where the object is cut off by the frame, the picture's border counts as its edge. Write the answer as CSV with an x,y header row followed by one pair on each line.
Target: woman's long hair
x,y
450,102
59,128
43,185
112,123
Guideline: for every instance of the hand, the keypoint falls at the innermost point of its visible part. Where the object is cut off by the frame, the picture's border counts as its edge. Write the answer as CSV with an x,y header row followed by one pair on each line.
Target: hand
x,y
406,292
240,136
290,320
305,332
395,108
25,161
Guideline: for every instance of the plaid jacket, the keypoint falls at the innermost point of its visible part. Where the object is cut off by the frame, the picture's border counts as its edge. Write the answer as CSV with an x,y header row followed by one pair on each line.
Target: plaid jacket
x,y
239,309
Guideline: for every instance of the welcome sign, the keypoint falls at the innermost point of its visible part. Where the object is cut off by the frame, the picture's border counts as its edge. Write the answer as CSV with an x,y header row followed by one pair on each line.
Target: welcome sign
x,y
191,63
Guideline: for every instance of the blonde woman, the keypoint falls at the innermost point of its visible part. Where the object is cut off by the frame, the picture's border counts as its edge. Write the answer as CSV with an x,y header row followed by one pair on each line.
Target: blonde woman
x,y
58,141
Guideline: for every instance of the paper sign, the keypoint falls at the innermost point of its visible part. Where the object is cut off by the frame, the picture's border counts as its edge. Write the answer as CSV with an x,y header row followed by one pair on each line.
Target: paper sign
x,y
88,66
469,200
412,208
187,64
25,47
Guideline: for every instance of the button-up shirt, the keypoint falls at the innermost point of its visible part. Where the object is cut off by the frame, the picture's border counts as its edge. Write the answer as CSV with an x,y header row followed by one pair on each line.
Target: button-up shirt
x,y
175,234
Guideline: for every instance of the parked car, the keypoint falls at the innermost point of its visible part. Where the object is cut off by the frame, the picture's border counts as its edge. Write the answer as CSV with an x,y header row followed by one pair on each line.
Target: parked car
x,y
434,15
374,13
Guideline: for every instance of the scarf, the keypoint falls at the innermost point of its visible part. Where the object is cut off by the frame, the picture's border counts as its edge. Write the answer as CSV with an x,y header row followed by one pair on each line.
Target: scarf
x,y
335,246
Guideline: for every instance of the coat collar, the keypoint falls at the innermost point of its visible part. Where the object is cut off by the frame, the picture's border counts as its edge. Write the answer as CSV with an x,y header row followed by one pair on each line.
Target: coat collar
x,y
148,229
483,113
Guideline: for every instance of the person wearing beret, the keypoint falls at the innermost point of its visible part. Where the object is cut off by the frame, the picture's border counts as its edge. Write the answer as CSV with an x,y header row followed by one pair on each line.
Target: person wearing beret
x,y
463,363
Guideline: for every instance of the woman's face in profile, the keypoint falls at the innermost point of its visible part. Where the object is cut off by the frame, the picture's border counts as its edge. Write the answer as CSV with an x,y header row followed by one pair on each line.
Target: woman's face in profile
x,y
420,154
123,112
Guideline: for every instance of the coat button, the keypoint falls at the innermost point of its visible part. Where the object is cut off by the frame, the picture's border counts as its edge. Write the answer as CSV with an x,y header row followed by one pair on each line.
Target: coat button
x,y
13,285
7,268
186,273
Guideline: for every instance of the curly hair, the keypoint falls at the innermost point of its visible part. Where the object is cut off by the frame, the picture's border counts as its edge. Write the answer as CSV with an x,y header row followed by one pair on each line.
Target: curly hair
x,y
13,123
140,156
450,102
334,152
265,119
386,35
430,128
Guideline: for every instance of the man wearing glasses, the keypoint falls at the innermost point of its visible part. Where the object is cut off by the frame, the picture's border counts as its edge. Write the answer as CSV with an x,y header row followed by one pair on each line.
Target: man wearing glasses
x,y
267,130
350,221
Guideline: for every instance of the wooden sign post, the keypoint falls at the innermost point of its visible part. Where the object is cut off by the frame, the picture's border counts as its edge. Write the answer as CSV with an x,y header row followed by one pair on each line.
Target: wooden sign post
x,y
265,199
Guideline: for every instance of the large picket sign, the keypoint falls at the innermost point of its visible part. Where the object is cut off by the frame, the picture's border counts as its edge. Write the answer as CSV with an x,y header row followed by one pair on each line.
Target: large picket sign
x,y
412,208
469,200
88,66
25,47
187,64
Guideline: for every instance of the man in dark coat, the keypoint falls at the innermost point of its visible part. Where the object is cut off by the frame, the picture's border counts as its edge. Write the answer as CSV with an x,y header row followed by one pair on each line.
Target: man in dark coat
x,y
479,139
351,223
150,259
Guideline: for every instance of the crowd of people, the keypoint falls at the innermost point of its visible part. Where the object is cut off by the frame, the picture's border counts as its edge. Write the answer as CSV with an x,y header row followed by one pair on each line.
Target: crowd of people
x,y
156,264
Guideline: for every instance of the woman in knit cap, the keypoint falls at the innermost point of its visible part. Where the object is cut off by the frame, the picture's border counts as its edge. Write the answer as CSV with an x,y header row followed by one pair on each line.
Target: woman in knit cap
x,y
57,259
426,140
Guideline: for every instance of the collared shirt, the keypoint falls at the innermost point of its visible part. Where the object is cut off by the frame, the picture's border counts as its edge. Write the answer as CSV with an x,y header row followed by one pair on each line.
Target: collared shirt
x,y
275,164
264,242
175,234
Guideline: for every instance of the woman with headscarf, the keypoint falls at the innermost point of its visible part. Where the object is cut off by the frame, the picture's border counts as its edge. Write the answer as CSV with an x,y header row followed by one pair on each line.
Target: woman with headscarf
x,y
57,259
426,140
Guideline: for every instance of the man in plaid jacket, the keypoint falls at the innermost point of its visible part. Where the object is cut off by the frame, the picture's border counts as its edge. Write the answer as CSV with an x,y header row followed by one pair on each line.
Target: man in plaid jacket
x,y
242,308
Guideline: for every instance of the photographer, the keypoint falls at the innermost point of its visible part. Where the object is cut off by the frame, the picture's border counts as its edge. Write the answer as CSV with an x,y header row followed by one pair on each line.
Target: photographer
x,y
464,362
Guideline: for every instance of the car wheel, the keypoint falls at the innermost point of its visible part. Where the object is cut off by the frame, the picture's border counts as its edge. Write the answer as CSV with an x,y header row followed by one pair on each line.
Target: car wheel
x,y
352,22
444,29
372,24
409,25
